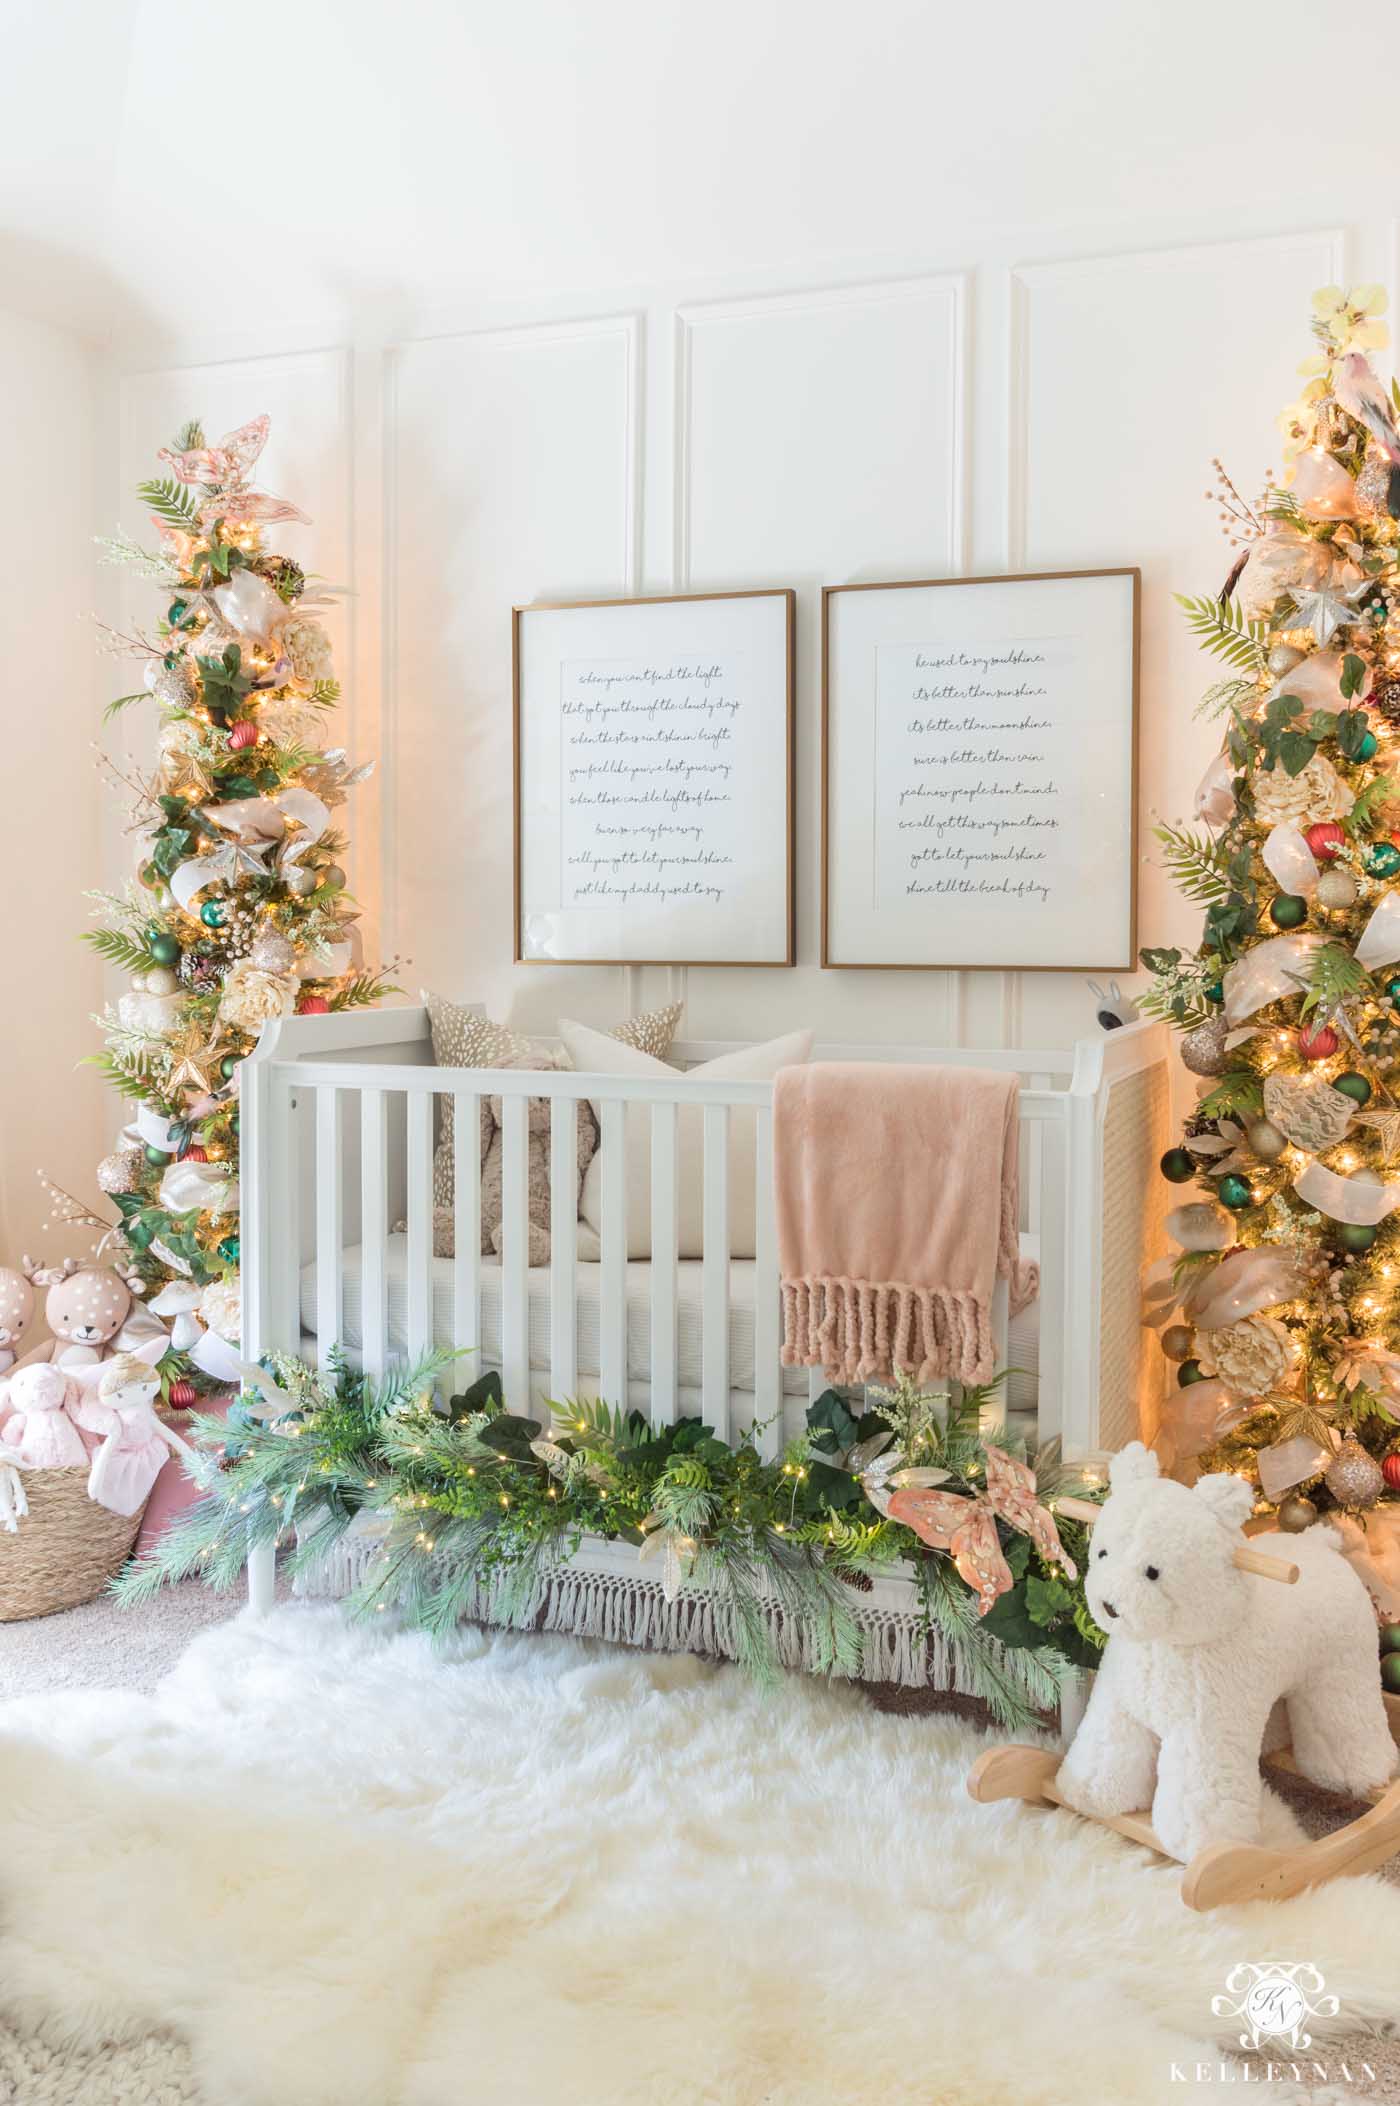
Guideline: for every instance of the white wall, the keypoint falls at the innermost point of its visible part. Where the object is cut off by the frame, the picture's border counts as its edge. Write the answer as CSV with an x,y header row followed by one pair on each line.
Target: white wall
x,y
1000,406
51,1111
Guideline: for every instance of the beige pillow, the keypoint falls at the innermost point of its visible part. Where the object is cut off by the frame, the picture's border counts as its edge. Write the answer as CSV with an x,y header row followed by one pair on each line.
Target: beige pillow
x,y
461,1039
594,1053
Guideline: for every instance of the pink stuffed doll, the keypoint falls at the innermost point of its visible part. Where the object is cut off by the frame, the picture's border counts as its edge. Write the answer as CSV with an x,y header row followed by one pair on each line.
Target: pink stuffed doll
x,y
135,1444
35,1403
16,1310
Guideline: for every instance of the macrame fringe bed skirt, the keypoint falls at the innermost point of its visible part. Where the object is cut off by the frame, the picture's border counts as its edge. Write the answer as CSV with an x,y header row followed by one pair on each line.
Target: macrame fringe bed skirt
x,y
629,1608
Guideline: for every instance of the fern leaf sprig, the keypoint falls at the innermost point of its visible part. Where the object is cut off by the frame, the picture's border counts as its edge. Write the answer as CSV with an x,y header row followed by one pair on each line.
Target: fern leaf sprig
x,y
1197,864
173,503
1225,631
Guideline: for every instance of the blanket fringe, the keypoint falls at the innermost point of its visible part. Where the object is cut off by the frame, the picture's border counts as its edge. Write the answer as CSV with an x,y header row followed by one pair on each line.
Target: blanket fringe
x,y
863,1330
897,1645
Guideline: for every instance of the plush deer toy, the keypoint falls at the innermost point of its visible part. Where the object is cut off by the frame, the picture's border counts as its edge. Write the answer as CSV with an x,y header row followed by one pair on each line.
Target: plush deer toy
x,y
89,1309
16,1310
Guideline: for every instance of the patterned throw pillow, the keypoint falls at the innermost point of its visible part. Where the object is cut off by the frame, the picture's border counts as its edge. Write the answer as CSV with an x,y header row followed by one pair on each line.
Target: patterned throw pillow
x,y
462,1039
652,1033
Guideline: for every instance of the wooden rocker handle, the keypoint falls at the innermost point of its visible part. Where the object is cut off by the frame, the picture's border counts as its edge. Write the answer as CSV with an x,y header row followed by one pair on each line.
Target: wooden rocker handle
x,y
1246,1560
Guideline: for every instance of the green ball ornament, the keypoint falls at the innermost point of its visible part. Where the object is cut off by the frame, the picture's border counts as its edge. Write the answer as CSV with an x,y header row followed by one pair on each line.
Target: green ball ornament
x,y
1288,911
1390,1637
212,914
228,1066
156,1157
1383,860
163,948
1367,749
1392,988
1235,1193
1190,1371
1216,992
229,1249
1390,1673
1177,1167
1354,1086
233,1123
1355,1237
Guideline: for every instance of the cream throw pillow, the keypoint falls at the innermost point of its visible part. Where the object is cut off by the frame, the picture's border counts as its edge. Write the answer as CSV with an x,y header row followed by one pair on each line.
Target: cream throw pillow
x,y
595,1054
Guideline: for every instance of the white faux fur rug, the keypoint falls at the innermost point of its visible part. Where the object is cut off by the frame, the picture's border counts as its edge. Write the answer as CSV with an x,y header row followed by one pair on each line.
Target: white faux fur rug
x,y
534,1872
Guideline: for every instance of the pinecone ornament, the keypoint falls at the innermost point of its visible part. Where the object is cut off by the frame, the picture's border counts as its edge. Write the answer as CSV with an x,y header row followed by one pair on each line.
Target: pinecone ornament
x,y
120,1171
1384,698
1354,1478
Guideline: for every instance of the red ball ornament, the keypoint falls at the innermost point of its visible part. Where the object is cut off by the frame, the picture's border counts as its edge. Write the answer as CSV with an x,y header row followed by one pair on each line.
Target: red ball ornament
x,y
1318,1045
313,1005
243,734
1325,839
1390,1470
183,1394
194,1154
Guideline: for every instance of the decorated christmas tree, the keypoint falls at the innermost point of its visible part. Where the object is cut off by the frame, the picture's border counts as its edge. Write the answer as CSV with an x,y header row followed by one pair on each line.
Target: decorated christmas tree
x,y
1281,1306
239,912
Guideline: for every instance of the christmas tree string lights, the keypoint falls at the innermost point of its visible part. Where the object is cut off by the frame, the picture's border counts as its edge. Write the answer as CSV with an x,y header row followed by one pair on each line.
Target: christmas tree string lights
x,y
239,913
1280,1307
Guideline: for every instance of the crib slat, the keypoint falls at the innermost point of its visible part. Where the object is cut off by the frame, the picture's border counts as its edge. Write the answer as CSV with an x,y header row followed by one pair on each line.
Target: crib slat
x,y
563,1247
714,1285
1054,1311
287,1291
767,1369
330,1273
612,1280
993,1418
419,1255
466,1229
515,1253
374,1229
1033,1130
663,1264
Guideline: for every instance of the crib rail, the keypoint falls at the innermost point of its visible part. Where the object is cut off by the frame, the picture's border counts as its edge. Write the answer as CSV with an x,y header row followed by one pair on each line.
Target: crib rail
x,y
339,1127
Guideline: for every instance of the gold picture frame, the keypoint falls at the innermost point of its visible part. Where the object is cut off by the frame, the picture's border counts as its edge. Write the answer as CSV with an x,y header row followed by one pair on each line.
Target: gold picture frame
x,y
1124,958
787,596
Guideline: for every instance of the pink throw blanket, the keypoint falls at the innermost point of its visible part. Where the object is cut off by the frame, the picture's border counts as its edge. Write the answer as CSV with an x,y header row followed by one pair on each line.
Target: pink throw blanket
x,y
897,1203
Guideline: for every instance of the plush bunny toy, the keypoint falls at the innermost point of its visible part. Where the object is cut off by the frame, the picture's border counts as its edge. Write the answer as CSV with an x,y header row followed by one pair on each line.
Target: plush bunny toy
x,y
35,1421
1199,1653
135,1445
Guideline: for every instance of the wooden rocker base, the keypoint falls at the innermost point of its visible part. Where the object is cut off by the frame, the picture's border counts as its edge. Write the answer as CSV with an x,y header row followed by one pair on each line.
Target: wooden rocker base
x,y
1227,1871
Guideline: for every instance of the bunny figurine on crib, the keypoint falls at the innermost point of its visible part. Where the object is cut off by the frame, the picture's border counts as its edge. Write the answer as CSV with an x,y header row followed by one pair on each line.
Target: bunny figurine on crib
x,y
36,1403
135,1443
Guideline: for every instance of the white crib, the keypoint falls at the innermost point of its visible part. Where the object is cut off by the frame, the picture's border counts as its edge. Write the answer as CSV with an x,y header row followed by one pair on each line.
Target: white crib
x,y
338,1131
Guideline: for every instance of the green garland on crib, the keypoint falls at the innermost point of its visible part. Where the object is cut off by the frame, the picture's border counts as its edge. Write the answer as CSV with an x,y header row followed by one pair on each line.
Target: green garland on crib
x,y
479,1496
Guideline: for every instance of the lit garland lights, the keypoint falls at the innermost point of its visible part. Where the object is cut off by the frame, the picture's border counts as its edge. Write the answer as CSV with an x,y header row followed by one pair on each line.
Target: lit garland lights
x,y
472,1501
240,913
1280,1307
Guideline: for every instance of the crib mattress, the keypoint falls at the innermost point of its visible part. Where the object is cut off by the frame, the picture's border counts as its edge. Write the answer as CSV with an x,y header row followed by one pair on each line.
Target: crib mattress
x,y
1024,1336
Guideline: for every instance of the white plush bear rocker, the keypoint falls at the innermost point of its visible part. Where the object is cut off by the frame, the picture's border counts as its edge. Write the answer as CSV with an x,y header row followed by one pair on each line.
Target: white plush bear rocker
x,y
1199,1653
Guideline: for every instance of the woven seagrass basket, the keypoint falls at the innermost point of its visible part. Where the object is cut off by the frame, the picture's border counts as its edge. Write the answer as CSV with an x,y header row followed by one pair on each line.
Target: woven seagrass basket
x,y
65,1549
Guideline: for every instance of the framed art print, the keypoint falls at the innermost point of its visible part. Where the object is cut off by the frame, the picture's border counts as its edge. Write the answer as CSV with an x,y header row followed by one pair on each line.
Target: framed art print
x,y
654,780
979,773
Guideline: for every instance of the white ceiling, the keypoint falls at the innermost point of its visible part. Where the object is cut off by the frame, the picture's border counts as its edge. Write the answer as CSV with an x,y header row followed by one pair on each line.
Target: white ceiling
x,y
167,167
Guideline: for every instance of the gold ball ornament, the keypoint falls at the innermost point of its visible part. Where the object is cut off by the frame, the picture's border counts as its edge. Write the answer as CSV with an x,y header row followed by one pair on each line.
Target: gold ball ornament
x,y
120,1171
1178,1341
1203,1049
1373,485
272,953
1336,890
1296,1514
1265,1140
1283,658
1353,1477
300,882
